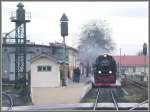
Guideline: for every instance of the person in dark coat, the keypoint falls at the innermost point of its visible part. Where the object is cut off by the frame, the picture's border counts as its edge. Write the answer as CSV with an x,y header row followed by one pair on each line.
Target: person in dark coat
x,y
74,75
78,74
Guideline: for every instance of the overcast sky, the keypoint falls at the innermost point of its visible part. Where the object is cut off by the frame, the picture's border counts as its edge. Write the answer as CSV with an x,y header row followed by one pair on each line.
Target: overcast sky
x,y
128,21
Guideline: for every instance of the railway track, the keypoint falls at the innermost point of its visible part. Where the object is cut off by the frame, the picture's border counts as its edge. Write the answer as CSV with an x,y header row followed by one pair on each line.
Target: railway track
x,y
99,97
10,100
138,105
114,100
135,83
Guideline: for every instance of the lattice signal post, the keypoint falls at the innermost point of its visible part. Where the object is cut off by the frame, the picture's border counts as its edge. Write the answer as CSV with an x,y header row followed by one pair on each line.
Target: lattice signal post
x,y
20,17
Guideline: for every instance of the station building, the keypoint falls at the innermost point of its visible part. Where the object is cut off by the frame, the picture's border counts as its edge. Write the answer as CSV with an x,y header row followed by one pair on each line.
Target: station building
x,y
53,49
133,66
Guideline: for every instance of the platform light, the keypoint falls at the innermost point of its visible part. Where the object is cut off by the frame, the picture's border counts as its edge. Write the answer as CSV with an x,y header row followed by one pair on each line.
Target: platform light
x,y
110,72
99,72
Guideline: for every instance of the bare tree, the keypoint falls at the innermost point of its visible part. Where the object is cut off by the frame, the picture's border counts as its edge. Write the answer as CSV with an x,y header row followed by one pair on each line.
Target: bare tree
x,y
95,38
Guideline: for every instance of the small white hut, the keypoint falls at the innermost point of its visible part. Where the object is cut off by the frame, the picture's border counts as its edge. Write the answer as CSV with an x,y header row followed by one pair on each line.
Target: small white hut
x,y
45,71
45,74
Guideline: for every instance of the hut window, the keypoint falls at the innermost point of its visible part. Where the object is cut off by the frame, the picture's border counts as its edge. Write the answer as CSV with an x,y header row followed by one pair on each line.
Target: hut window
x,y
39,68
48,68
44,68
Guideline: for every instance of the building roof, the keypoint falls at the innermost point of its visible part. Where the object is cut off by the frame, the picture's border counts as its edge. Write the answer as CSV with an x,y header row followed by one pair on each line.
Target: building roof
x,y
43,56
131,60
32,44
57,44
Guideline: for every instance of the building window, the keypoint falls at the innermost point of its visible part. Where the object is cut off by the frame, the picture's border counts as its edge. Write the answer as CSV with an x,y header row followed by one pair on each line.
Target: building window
x,y
134,69
39,68
44,68
38,50
48,68
53,51
5,49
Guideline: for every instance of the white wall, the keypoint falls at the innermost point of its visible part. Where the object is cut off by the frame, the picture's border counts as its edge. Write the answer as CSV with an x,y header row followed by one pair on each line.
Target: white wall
x,y
138,70
47,78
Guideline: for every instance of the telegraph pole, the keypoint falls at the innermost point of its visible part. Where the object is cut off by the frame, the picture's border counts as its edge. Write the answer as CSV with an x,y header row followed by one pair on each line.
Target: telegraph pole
x,y
64,32
120,64
145,53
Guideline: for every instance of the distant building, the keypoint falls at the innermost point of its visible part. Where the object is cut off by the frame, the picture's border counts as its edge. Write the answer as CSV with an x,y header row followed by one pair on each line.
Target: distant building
x,y
132,65
72,61
53,49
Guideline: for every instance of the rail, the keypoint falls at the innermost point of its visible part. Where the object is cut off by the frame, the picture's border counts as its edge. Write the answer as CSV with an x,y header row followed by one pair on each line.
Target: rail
x,y
138,105
10,100
114,101
137,84
95,104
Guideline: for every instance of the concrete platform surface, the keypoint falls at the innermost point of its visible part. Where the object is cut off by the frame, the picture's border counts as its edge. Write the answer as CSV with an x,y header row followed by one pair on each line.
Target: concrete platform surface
x,y
69,94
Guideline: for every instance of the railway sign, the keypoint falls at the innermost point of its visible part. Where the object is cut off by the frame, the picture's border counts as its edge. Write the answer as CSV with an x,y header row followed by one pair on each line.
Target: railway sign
x,y
64,25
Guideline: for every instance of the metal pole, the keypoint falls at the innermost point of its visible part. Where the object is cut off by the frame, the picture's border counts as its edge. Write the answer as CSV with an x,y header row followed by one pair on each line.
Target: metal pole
x,y
64,49
24,53
145,65
16,56
120,63
64,62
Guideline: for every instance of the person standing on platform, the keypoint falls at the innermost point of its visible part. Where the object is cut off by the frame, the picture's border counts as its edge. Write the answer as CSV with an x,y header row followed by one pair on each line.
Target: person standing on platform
x,y
78,74
74,75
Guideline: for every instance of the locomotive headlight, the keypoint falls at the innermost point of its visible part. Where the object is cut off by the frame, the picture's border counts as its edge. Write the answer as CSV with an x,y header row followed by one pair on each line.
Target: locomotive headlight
x,y
99,72
110,72
105,55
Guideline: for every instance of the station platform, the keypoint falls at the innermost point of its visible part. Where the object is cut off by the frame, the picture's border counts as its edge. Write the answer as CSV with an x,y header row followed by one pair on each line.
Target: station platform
x,y
72,93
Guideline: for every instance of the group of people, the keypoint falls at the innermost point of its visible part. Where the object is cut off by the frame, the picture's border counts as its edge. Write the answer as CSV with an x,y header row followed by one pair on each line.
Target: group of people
x,y
76,75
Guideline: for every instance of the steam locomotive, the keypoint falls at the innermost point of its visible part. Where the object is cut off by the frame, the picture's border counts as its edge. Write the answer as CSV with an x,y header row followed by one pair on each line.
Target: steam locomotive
x,y
104,71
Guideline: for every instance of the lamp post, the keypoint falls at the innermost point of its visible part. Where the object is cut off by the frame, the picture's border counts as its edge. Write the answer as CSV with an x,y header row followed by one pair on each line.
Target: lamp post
x,y
120,64
145,53
64,32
